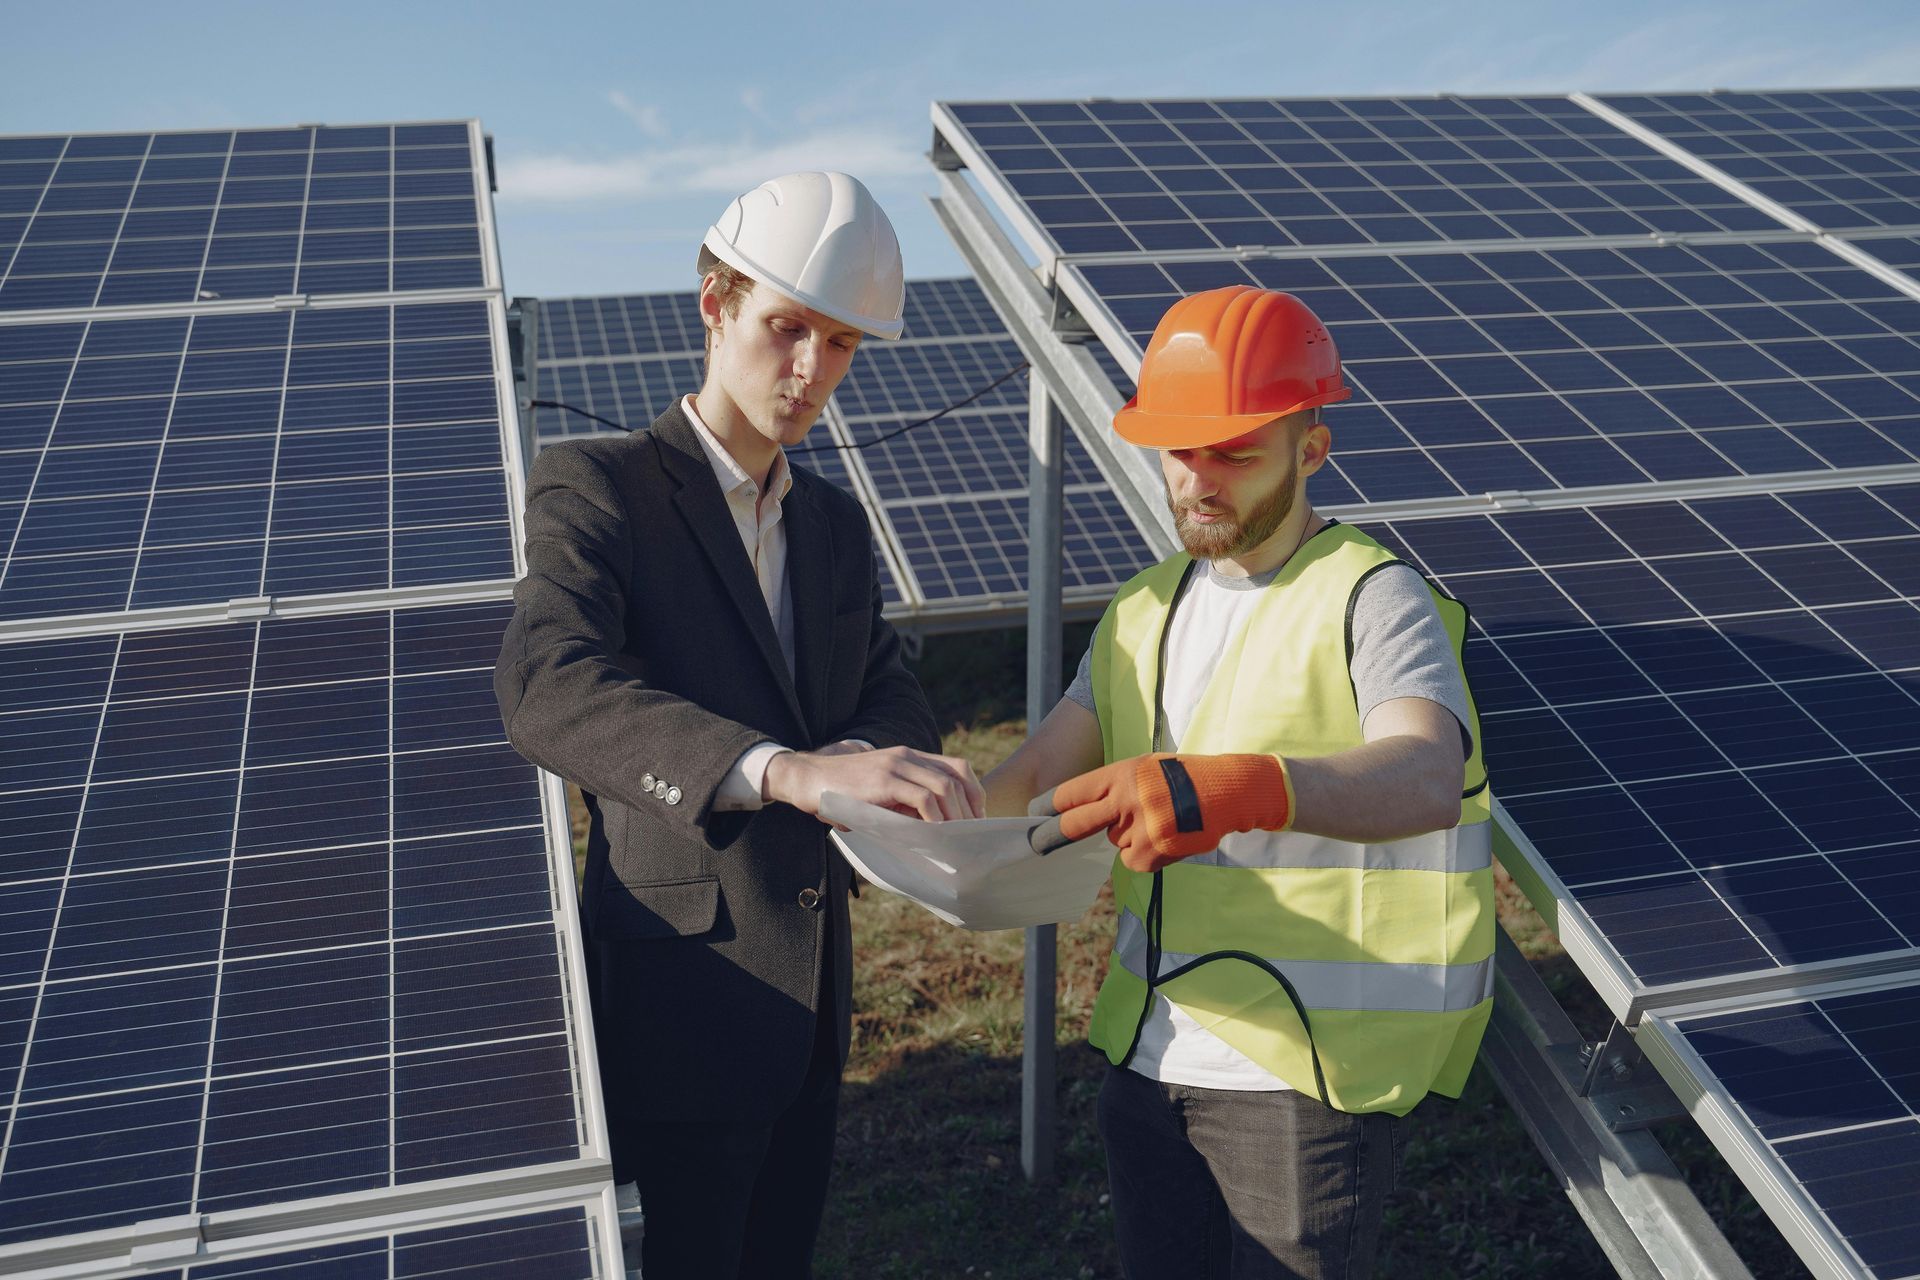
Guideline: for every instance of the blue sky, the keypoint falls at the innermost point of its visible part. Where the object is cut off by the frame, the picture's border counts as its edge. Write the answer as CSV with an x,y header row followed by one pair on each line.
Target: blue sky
x,y
623,129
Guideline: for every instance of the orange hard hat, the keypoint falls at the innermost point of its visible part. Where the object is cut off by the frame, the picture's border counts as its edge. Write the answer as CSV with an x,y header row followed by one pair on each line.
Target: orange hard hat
x,y
1226,361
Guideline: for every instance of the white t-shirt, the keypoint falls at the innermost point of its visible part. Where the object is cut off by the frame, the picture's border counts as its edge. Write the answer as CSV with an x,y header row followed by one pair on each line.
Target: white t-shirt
x,y
1401,650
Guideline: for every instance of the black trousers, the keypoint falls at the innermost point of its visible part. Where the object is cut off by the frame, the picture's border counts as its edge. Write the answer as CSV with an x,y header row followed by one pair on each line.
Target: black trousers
x,y
740,1200
1217,1184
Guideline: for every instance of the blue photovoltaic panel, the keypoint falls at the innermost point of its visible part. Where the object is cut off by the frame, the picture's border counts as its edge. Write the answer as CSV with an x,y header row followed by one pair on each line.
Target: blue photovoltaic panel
x,y
139,219
978,547
1842,159
280,920
1474,373
1154,177
196,459
631,325
1832,1086
1896,251
905,381
1705,715
554,1245
630,391
966,454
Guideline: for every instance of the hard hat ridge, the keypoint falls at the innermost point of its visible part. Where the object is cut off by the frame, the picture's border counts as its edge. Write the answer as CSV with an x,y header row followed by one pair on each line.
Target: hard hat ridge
x,y
821,239
1226,361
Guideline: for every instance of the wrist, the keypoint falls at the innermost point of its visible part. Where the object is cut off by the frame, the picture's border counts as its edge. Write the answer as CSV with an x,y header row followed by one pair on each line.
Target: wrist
x,y
777,784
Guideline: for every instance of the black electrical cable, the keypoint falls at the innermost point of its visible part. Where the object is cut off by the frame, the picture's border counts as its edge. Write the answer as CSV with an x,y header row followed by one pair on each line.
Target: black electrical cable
x,y
1022,367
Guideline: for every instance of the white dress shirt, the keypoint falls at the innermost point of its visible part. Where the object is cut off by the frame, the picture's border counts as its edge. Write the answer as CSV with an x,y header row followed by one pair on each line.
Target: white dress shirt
x,y
756,515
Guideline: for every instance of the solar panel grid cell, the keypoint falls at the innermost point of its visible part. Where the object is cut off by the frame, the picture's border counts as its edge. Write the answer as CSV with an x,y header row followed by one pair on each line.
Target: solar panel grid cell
x,y
176,1005
1154,177
247,215
1845,159
198,459
1832,1086
1702,714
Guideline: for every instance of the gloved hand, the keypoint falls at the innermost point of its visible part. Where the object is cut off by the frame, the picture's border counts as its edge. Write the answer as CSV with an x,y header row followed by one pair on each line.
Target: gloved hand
x,y
1161,808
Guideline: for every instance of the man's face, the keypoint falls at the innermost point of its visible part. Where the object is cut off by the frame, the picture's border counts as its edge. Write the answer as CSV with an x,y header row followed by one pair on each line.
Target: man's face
x,y
1229,498
777,361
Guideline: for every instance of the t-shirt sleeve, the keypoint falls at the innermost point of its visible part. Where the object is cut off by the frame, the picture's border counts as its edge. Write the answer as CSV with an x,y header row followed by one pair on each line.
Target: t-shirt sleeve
x,y
1081,688
1401,648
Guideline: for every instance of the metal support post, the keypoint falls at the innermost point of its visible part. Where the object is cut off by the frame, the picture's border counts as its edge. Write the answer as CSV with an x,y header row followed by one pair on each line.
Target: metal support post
x,y
1038,1075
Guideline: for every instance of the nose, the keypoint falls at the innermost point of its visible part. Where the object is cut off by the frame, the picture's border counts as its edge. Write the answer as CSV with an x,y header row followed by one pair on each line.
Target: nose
x,y
806,358
1189,483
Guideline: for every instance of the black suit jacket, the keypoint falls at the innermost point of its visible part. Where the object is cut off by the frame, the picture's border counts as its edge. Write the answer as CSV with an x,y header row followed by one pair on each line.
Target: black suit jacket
x,y
641,646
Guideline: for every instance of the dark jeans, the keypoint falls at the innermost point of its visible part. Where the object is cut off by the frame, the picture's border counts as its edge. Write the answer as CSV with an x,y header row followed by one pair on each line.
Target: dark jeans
x,y
1226,1185
743,1201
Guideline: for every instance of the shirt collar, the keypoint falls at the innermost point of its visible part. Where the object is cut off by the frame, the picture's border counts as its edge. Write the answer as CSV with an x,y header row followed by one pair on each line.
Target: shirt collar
x,y
726,470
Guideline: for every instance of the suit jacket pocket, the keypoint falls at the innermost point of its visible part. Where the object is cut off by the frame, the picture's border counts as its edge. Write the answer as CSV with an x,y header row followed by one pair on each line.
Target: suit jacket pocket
x,y
662,909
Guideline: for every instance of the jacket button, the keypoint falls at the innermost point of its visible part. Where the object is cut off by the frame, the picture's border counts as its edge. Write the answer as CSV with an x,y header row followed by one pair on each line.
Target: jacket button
x,y
673,795
660,788
810,898
646,782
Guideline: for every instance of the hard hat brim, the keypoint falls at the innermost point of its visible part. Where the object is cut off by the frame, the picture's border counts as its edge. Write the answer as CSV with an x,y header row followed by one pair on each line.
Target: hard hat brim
x,y
715,249
1197,431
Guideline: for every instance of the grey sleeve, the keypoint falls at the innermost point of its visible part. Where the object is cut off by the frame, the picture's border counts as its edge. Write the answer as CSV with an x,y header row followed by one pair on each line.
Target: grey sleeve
x,y
1081,689
1401,649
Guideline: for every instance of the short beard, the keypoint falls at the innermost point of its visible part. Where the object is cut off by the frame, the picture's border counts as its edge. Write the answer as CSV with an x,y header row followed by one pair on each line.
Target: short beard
x,y
1224,539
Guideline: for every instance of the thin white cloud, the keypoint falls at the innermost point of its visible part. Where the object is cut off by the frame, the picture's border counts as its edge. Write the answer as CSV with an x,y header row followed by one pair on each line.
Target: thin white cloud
x,y
648,119
722,168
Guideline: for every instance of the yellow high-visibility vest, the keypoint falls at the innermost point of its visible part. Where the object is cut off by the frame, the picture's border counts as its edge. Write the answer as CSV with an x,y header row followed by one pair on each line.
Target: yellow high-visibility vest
x,y
1359,973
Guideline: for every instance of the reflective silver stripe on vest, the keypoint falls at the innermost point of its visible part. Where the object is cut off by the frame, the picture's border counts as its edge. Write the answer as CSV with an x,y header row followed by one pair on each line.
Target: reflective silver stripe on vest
x,y
1340,984
1468,848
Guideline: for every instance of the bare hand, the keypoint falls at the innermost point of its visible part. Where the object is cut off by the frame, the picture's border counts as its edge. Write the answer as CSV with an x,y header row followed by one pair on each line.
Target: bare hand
x,y
917,783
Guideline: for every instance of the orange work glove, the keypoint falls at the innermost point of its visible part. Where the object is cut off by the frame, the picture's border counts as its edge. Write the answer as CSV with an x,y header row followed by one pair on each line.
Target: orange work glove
x,y
1161,808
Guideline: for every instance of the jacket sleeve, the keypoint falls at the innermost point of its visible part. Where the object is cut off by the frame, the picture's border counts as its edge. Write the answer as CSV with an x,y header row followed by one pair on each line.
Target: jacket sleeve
x,y
893,710
568,702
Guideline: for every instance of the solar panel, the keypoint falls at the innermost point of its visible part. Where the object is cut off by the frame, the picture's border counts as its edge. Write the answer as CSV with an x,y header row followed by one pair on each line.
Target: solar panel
x,y
199,458
940,497
1843,159
1564,369
142,218
556,1243
280,920
1705,716
287,925
1156,177
1819,1103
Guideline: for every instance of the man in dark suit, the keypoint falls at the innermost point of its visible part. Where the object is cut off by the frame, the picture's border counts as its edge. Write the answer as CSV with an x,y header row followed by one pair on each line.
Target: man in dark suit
x,y
698,644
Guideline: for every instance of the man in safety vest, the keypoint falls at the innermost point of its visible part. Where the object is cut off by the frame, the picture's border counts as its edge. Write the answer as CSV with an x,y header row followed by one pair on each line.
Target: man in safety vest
x,y
1274,728
698,643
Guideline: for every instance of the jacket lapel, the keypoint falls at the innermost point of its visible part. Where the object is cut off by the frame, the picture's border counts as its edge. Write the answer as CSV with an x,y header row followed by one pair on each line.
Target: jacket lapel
x,y
810,563
701,504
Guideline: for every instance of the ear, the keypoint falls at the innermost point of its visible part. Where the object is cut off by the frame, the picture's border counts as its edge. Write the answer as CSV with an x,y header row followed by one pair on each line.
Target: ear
x,y
1316,442
710,312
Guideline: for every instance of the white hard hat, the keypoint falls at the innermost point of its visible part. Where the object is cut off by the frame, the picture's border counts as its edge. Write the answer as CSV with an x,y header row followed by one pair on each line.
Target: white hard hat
x,y
821,239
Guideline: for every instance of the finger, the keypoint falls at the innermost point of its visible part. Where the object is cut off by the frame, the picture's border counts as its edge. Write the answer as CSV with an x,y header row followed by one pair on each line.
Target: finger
x,y
943,786
1043,806
1047,837
916,799
969,796
971,791
1082,821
